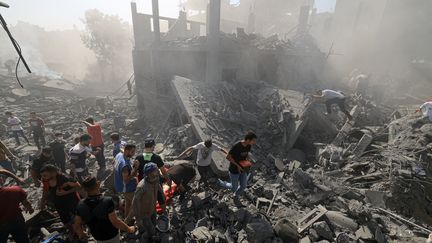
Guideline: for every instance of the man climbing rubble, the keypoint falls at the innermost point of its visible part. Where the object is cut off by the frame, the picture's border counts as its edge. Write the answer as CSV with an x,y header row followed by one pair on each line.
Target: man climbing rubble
x,y
78,155
204,157
125,176
98,213
240,165
144,201
6,158
44,158
14,124
62,192
331,97
97,144
37,126
12,221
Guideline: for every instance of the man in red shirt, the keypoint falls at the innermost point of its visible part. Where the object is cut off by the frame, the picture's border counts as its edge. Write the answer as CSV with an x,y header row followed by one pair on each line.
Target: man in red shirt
x,y
97,144
11,219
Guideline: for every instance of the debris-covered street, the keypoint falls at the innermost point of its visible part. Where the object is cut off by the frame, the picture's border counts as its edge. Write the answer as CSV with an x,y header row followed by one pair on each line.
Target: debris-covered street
x,y
234,126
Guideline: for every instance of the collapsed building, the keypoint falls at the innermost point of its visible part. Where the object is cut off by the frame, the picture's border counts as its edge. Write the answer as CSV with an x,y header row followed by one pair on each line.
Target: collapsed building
x,y
316,178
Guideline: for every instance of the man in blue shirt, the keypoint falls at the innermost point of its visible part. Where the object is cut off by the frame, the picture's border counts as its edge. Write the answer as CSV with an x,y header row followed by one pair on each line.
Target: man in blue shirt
x,y
125,175
118,144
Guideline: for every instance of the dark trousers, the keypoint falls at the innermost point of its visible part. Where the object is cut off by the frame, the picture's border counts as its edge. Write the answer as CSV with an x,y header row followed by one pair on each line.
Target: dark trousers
x,y
338,102
100,157
38,136
204,173
19,133
148,225
16,228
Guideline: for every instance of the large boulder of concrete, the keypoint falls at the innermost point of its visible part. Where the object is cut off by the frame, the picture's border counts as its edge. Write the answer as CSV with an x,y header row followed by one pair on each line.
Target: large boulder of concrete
x,y
286,230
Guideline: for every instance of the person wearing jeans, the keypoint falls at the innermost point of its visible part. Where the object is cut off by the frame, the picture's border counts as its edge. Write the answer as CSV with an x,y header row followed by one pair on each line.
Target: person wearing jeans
x,y
239,165
15,126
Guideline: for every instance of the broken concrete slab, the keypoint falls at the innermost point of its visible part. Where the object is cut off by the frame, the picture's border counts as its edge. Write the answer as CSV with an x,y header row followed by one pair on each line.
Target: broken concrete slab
x,y
323,230
286,230
362,145
341,220
376,198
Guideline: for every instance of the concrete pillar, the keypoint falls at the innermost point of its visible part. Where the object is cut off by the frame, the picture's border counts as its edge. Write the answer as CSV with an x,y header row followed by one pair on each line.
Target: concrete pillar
x,y
134,21
303,19
251,21
156,22
213,72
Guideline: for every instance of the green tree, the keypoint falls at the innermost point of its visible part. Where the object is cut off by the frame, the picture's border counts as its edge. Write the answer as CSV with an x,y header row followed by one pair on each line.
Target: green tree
x,y
108,37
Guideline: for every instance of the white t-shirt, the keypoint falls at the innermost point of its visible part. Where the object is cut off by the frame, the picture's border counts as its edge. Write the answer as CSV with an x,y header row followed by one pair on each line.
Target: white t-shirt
x,y
331,94
14,122
204,153
426,108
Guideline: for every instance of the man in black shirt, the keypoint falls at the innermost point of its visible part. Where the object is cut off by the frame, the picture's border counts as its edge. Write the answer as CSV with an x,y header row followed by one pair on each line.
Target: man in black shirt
x,y
44,159
182,174
62,191
97,212
58,150
240,165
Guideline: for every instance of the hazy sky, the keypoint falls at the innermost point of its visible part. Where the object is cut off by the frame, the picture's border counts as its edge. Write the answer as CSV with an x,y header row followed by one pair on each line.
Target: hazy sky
x,y
63,14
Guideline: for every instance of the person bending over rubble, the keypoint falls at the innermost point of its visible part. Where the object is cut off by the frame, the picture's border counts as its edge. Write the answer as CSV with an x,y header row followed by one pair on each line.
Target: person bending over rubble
x,y
240,165
12,221
97,212
204,157
125,173
62,192
6,158
144,201
78,155
181,175
15,126
37,126
332,97
44,158
97,144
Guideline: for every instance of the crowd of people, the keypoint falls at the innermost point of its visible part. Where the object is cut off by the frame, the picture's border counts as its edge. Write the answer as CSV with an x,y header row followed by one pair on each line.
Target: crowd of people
x,y
144,182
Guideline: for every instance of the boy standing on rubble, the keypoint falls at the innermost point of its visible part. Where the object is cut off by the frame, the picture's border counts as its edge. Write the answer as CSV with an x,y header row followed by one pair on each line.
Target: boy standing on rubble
x,y
204,157
78,155
331,97
37,125
240,165
14,124
58,149
97,144
98,213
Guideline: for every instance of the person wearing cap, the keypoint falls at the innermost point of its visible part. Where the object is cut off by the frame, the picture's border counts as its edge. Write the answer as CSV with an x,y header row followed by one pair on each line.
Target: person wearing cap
x,y
144,201
58,151
147,157
125,173
6,158
37,126
96,142
44,158
78,155
98,213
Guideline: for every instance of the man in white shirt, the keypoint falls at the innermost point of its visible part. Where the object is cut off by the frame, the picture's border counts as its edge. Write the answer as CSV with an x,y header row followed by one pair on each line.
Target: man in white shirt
x,y
204,157
426,109
15,126
332,97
